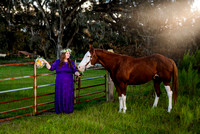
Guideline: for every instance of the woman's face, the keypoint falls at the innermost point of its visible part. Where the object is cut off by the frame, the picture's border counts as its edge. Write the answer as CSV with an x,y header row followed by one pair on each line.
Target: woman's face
x,y
67,55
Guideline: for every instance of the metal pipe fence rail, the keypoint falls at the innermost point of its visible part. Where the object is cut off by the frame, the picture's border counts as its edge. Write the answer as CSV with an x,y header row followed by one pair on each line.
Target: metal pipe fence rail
x,y
26,98
35,86
79,88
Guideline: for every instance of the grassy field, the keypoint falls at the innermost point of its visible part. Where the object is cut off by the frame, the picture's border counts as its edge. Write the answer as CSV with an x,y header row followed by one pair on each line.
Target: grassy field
x,y
26,70
99,116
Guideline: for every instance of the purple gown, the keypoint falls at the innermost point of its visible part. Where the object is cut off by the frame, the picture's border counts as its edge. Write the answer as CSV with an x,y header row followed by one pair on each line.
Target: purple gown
x,y
64,92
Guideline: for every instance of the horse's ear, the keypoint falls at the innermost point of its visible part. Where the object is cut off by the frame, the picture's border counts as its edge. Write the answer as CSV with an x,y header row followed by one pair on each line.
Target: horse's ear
x,y
91,49
90,46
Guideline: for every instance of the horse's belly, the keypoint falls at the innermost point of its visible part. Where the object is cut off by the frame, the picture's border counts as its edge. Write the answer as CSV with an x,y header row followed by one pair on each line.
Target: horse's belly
x,y
139,80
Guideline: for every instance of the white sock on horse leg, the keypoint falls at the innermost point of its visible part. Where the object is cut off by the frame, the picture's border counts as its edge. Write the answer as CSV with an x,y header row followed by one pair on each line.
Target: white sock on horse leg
x,y
124,103
155,101
169,93
120,104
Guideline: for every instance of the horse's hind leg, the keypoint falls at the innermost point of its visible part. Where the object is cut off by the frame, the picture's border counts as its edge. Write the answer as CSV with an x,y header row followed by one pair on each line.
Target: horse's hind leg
x,y
169,94
157,94
155,101
123,87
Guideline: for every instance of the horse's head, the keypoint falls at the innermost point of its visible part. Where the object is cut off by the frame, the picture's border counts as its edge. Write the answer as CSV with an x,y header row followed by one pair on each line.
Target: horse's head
x,y
88,60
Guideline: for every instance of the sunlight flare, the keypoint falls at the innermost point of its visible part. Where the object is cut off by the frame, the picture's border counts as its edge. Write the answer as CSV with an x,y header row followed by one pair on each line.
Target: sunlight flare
x,y
195,6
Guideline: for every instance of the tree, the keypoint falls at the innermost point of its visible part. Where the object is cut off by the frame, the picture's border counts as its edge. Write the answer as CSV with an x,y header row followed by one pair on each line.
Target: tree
x,y
60,15
56,24
151,23
56,16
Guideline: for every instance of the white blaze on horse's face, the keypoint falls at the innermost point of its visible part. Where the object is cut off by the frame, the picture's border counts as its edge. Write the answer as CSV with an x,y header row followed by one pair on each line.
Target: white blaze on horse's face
x,y
85,63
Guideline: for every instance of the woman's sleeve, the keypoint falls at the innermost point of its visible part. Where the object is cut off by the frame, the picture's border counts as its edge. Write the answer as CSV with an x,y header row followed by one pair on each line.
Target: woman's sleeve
x,y
73,67
53,66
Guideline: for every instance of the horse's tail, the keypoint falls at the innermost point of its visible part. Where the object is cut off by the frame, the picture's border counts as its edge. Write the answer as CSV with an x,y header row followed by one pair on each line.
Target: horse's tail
x,y
175,81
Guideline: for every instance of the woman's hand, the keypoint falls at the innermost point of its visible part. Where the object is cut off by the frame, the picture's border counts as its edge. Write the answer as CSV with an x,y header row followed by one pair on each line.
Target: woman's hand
x,y
45,61
47,64
77,74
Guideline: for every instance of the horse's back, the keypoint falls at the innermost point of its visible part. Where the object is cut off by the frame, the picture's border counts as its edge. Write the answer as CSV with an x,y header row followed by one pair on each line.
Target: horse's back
x,y
142,70
155,62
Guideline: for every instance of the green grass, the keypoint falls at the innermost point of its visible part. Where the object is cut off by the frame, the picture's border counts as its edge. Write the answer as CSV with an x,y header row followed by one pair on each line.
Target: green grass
x,y
99,116
103,117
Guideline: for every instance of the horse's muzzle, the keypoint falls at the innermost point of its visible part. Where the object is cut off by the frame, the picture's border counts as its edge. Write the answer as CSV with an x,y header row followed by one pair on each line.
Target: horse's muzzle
x,y
81,68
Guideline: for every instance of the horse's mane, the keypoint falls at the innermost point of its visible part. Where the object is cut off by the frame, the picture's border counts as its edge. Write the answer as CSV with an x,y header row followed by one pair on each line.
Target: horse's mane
x,y
127,56
111,53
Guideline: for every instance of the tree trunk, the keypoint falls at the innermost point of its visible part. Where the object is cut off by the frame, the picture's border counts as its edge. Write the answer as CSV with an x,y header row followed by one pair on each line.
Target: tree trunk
x,y
59,45
45,50
61,29
72,37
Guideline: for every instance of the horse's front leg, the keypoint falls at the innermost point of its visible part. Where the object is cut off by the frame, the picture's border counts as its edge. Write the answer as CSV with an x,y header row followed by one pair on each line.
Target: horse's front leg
x,y
122,97
124,103
120,103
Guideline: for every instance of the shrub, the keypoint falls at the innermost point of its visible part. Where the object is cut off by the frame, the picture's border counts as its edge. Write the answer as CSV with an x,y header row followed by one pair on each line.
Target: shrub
x,y
188,75
187,60
190,58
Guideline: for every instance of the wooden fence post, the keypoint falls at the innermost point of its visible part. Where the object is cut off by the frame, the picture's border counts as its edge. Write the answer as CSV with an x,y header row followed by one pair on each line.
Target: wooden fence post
x,y
110,84
109,88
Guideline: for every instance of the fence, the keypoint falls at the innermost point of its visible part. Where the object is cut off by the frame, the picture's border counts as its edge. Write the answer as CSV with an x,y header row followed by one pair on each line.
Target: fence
x,y
84,95
35,87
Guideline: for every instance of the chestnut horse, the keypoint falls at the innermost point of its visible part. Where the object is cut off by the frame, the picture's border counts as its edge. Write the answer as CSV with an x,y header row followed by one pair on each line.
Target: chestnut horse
x,y
125,70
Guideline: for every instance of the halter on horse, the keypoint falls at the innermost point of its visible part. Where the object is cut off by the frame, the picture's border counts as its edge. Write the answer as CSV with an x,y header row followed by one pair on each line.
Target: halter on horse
x,y
125,70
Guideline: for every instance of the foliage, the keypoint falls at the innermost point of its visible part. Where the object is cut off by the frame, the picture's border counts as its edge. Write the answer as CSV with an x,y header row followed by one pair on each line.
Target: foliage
x,y
189,74
143,25
190,59
12,39
45,29
191,82
3,39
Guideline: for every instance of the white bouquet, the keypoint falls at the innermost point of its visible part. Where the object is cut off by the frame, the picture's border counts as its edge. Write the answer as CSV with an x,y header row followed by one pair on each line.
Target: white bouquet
x,y
39,62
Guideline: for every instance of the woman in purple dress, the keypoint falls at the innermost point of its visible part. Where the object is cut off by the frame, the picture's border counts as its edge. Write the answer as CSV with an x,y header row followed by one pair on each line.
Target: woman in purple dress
x,y
64,92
